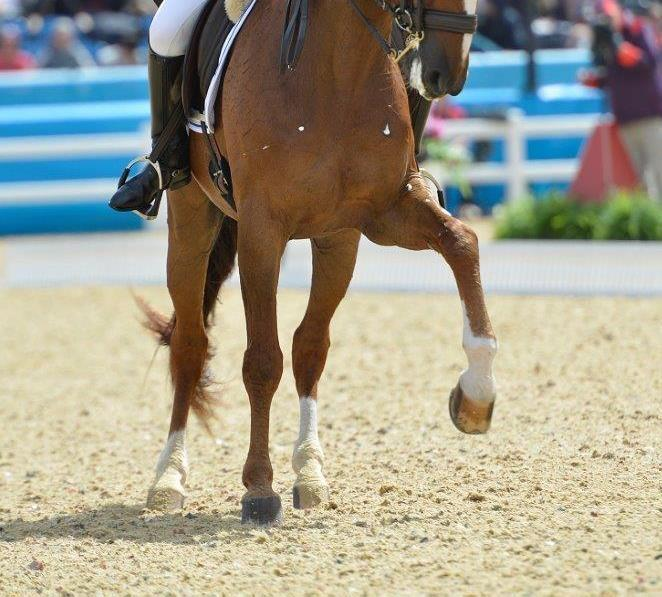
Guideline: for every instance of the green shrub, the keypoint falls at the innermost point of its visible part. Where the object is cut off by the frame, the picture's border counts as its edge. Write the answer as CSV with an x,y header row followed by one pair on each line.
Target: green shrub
x,y
624,217
629,218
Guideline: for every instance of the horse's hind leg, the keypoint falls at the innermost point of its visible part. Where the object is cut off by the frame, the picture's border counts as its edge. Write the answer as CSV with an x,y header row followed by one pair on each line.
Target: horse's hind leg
x,y
260,248
418,222
334,258
193,229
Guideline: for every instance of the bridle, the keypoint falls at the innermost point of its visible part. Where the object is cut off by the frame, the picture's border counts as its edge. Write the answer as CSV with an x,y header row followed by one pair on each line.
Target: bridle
x,y
413,20
410,16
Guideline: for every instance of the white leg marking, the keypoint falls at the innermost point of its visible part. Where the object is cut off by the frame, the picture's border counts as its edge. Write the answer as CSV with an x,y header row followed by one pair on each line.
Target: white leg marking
x,y
310,487
477,381
172,468
307,448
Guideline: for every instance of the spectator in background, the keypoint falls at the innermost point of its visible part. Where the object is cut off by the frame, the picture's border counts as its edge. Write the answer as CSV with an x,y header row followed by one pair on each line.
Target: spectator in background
x,y
627,53
10,8
65,51
556,27
502,24
11,55
123,53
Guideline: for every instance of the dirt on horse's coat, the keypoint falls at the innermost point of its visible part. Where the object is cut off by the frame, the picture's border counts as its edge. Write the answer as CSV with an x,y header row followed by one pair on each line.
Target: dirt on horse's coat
x,y
324,151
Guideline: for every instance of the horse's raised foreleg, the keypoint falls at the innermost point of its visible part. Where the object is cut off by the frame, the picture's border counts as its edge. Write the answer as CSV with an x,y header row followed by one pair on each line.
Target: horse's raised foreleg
x,y
193,228
260,248
418,222
334,258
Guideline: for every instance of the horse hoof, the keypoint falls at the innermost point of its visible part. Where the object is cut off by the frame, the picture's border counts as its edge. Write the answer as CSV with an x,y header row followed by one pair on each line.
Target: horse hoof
x,y
309,496
469,416
263,511
165,499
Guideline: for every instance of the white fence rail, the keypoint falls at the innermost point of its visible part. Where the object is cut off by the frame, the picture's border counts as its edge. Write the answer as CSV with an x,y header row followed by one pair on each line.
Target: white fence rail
x,y
515,130
517,172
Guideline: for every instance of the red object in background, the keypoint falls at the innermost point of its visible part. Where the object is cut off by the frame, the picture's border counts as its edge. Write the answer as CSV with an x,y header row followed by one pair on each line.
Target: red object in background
x,y
605,166
629,55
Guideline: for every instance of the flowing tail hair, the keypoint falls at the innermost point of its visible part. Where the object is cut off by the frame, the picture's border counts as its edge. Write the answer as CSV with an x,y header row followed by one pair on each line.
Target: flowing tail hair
x,y
221,264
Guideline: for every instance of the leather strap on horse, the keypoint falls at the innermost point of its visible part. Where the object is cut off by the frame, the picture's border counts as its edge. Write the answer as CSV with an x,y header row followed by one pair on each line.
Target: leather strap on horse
x,y
450,21
388,48
410,16
294,33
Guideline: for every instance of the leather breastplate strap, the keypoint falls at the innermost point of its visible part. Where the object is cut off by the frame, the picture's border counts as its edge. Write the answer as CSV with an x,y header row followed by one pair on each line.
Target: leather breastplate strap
x,y
294,33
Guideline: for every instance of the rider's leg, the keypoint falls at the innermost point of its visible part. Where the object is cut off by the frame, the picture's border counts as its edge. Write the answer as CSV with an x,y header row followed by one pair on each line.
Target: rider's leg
x,y
169,36
173,25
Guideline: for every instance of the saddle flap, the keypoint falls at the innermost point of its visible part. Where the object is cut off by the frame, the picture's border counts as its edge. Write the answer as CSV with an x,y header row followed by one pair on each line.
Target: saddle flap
x,y
202,56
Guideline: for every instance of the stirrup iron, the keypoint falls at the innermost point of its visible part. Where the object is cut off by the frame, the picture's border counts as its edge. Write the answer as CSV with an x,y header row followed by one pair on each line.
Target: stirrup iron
x,y
441,197
152,210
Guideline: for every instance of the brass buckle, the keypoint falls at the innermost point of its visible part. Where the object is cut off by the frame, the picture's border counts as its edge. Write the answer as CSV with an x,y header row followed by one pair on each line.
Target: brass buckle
x,y
413,42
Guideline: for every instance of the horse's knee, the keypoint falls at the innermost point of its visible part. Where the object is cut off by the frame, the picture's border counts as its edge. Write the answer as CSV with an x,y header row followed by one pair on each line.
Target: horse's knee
x,y
189,347
457,242
262,370
190,338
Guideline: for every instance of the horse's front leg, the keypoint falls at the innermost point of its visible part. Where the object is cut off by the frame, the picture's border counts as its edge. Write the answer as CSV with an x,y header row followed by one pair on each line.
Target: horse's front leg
x,y
193,227
260,248
418,222
334,258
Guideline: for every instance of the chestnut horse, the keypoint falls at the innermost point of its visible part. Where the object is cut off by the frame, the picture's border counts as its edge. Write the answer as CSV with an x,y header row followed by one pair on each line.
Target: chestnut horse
x,y
323,152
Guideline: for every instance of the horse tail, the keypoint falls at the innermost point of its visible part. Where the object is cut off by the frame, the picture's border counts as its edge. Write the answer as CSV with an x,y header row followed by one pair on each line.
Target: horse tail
x,y
221,263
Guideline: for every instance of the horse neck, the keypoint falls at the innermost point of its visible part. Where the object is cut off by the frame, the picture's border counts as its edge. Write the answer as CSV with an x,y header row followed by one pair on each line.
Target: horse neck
x,y
346,41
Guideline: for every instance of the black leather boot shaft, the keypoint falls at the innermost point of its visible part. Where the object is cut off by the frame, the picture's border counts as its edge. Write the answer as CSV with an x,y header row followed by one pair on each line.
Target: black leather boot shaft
x,y
165,98
143,192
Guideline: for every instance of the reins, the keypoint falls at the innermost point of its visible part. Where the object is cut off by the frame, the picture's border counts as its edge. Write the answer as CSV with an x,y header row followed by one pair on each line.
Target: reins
x,y
411,17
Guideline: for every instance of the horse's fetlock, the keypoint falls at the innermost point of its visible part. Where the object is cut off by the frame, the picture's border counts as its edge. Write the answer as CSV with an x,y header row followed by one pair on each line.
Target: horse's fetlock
x,y
258,474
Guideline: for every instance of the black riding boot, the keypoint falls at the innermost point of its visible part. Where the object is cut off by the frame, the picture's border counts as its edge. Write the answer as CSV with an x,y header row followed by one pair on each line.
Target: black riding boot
x,y
168,166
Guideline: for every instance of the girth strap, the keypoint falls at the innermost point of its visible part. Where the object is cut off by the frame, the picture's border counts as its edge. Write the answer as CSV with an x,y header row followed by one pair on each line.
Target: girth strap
x,y
294,33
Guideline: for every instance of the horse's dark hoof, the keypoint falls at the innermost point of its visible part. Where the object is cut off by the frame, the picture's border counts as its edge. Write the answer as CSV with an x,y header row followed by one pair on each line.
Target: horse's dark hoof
x,y
263,511
469,416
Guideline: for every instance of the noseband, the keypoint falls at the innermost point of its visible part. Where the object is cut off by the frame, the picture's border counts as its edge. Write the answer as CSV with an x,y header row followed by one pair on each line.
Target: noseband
x,y
410,16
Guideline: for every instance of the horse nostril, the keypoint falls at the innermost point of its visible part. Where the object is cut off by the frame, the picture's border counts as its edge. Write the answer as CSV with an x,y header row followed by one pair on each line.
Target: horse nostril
x,y
435,83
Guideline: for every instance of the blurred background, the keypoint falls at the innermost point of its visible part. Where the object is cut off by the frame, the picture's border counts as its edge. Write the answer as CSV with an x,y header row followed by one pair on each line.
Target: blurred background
x,y
557,133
